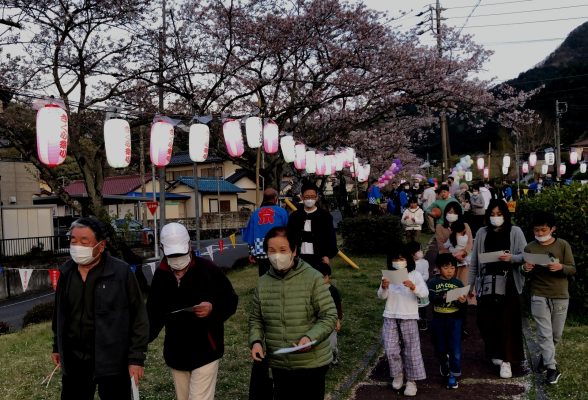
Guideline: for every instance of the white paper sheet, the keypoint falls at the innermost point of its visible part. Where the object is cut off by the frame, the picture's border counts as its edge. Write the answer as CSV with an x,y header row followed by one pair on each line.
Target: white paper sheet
x,y
454,294
135,389
537,259
286,350
485,258
395,276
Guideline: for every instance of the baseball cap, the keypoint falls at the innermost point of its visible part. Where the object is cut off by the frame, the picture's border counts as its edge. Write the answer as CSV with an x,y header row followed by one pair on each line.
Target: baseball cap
x,y
175,239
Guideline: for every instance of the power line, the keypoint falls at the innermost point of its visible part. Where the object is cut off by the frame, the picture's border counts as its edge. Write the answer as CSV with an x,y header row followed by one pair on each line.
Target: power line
x,y
468,17
525,23
491,4
524,41
518,12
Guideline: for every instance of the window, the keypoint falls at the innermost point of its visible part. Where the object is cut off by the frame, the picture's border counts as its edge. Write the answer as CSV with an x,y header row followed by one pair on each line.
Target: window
x,y
225,205
211,172
173,175
213,205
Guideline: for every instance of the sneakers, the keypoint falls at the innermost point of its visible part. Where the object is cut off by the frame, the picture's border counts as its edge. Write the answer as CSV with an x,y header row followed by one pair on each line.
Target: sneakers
x,y
452,382
553,375
411,389
505,371
496,362
444,370
397,382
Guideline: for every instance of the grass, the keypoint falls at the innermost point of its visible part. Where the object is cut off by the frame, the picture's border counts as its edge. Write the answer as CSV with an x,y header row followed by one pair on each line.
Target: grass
x,y
25,355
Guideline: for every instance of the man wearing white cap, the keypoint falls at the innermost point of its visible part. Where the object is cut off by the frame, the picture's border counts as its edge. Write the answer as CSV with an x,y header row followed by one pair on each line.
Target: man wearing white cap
x,y
192,297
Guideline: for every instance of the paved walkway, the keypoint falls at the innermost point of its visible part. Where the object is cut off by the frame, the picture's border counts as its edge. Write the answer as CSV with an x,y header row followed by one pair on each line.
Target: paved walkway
x,y
480,378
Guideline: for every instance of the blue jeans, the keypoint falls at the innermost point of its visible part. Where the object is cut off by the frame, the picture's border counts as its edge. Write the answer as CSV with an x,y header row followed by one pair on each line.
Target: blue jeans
x,y
550,318
447,342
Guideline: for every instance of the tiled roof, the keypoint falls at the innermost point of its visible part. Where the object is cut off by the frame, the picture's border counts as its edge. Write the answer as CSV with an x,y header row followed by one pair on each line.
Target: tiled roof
x,y
122,184
210,185
183,158
240,173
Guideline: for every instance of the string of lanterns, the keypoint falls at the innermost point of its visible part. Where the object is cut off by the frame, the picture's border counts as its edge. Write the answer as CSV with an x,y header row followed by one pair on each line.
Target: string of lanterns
x,y
52,141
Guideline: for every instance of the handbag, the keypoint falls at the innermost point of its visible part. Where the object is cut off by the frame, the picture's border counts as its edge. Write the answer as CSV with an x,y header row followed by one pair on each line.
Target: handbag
x,y
487,285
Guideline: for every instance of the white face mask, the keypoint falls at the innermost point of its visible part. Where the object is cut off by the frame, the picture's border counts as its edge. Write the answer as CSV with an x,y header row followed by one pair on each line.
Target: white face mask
x,y
452,217
309,203
542,239
496,221
82,255
419,255
398,264
281,261
462,240
179,263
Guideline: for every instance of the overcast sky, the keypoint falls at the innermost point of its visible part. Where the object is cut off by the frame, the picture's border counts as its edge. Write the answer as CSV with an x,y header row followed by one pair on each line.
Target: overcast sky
x,y
518,46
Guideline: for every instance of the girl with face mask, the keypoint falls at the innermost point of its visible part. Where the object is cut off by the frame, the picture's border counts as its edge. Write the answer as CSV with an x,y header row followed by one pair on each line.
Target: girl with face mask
x,y
453,214
292,305
498,285
460,246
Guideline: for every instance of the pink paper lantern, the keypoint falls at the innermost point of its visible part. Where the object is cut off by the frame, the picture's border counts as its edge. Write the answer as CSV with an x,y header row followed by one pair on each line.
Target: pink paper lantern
x,y
573,156
349,156
480,163
331,161
321,166
532,159
486,173
233,138
339,161
117,142
253,131
310,161
300,160
199,140
52,135
562,169
162,143
271,132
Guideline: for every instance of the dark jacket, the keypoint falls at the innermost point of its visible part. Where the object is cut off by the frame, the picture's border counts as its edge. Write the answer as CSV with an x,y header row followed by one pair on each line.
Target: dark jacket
x,y
190,342
322,232
120,320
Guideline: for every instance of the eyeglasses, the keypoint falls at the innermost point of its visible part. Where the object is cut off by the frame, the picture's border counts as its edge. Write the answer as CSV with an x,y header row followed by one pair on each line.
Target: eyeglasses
x,y
309,197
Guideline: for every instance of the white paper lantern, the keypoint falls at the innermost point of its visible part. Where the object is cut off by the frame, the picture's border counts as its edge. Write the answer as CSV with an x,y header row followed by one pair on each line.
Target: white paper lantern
x,y
271,133
253,131
52,135
162,143
300,160
562,168
310,161
339,161
583,166
506,161
321,167
117,142
480,163
233,137
486,173
504,170
199,140
573,156
525,167
544,169
549,158
331,162
532,159
288,148
469,176
579,151
350,156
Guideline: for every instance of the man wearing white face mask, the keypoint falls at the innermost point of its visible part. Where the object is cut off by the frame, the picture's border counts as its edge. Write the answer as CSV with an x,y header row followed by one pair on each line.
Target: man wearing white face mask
x,y
192,298
313,229
100,325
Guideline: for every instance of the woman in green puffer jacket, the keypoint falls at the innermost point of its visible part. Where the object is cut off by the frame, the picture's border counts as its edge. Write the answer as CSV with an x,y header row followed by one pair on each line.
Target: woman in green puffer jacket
x,y
292,306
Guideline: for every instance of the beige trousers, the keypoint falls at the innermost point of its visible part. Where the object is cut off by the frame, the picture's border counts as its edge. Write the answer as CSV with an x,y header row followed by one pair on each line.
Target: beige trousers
x,y
198,384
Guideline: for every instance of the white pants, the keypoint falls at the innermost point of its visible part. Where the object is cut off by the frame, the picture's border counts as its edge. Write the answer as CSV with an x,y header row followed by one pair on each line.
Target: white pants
x,y
198,384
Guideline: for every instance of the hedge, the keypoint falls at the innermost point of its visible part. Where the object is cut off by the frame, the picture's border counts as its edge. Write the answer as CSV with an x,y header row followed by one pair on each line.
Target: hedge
x,y
371,234
39,313
569,204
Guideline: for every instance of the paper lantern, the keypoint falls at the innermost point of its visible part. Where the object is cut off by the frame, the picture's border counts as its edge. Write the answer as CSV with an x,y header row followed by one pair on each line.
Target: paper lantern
x,y
504,170
506,161
573,156
321,166
300,160
350,156
583,167
253,131
486,173
562,169
288,148
233,137
331,162
198,144
579,151
310,161
271,132
549,158
532,159
480,163
339,161
525,167
544,169
52,135
117,142
162,143
469,176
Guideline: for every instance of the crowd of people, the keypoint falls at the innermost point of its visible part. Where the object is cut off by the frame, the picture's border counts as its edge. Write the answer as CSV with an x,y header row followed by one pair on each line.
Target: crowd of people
x,y
102,326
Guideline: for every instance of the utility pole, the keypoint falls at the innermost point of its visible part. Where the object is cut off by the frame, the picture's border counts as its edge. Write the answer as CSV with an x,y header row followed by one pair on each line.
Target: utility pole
x,y
443,117
142,173
160,84
561,107
196,205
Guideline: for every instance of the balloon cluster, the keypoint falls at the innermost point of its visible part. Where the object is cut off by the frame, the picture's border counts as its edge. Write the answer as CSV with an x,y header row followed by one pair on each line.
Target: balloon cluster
x,y
462,168
387,176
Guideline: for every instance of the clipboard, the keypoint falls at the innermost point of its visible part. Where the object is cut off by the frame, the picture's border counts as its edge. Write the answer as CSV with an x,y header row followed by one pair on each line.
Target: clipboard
x,y
537,259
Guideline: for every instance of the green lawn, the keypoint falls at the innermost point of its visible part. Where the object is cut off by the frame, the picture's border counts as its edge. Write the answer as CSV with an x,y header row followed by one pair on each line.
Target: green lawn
x,y
25,361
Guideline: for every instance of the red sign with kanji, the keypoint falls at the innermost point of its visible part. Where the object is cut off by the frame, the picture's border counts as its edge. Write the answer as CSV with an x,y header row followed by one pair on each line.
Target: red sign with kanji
x,y
152,206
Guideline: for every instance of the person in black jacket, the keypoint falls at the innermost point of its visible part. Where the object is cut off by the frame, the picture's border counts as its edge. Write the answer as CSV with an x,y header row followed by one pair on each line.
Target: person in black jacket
x,y
100,327
313,230
193,298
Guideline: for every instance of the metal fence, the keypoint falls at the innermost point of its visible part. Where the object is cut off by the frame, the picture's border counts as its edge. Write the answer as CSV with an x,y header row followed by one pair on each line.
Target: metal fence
x,y
33,246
